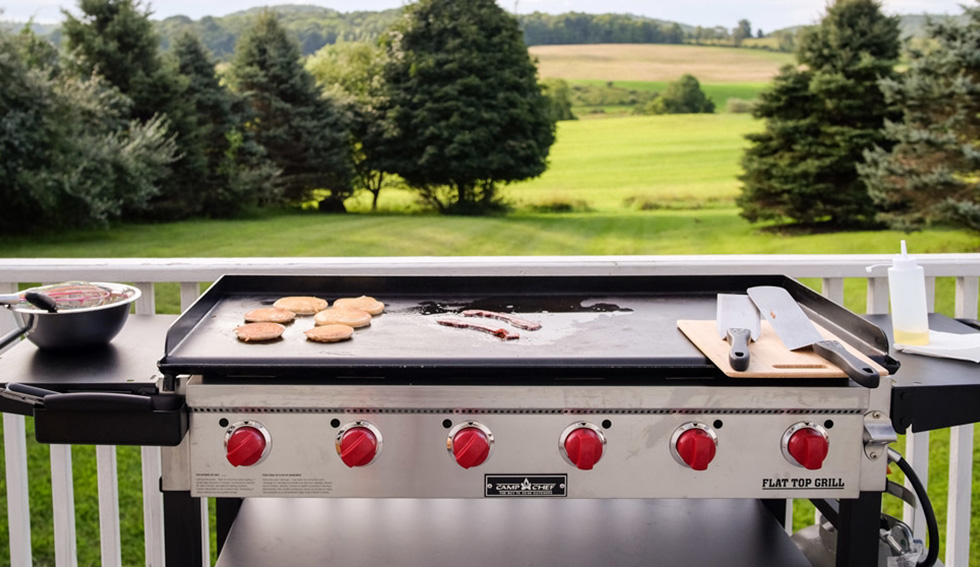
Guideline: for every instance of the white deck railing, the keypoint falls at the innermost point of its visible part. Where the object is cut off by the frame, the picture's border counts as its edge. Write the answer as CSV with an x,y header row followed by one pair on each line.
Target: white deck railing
x,y
832,270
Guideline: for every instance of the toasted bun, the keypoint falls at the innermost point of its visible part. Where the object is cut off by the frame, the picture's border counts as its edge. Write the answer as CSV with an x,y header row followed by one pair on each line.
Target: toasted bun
x,y
364,303
301,305
258,332
269,315
340,316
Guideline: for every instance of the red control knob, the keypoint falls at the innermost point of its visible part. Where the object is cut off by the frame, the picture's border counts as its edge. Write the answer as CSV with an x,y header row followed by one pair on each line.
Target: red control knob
x,y
696,448
584,448
808,447
357,446
245,447
471,447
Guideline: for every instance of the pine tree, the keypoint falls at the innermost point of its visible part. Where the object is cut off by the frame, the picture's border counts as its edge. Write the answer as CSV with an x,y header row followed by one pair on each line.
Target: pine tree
x,y
931,173
820,117
465,108
236,173
303,132
115,39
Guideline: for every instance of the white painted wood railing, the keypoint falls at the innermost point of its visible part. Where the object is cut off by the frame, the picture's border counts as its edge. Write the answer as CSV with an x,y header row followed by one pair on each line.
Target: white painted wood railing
x,y
832,270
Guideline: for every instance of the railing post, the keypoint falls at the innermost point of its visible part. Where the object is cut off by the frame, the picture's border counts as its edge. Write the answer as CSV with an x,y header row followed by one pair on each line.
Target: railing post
x,y
917,455
833,289
877,296
108,506
7,323
18,505
967,297
152,507
189,292
960,493
146,304
63,504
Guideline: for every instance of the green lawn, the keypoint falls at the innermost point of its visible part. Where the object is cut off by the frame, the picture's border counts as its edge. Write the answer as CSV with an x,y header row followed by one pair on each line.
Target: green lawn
x,y
665,161
717,92
642,185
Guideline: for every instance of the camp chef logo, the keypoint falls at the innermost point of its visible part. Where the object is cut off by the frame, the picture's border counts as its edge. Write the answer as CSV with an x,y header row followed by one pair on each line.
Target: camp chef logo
x,y
525,485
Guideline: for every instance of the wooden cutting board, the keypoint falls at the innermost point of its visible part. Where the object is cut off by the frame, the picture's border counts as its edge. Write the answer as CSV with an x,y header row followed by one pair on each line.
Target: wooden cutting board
x,y
768,358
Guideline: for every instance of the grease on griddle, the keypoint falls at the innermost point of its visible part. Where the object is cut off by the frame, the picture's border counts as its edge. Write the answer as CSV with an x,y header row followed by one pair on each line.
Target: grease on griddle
x,y
517,304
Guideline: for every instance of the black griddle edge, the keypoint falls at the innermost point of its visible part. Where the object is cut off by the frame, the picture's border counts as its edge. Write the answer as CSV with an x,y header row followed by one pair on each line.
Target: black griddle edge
x,y
851,328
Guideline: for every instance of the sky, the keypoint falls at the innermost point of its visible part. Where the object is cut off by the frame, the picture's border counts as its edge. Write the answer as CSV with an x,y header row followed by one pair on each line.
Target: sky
x,y
764,14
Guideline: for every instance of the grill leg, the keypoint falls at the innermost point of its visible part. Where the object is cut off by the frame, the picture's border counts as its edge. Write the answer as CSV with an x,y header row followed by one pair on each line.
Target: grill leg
x,y
777,507
182,529
226,510
857,534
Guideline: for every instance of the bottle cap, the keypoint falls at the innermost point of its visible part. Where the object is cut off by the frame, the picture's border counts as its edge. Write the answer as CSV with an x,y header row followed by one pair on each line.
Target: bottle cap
x,y
904,261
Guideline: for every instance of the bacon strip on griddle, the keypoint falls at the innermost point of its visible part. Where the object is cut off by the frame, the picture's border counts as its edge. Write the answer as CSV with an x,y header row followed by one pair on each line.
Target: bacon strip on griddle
x,y
500,333
505,317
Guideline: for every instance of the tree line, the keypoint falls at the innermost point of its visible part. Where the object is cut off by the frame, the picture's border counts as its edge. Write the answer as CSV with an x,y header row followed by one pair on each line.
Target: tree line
x,y
112,127
315,27
849,141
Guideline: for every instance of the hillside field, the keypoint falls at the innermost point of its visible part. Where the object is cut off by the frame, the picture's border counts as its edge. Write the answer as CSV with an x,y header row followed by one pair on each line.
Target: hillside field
x,y
719,93
637,162
643,62
723,72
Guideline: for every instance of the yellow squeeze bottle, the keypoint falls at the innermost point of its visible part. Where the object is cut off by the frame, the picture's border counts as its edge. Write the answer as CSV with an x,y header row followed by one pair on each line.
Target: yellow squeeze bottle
x,y
907,292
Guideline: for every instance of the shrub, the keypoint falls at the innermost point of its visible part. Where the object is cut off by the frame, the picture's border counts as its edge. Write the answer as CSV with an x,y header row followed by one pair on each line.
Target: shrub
x,y
740,105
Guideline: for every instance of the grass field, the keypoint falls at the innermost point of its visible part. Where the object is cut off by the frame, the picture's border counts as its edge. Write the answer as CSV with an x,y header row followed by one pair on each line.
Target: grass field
x,y
632,62
719,93
642,185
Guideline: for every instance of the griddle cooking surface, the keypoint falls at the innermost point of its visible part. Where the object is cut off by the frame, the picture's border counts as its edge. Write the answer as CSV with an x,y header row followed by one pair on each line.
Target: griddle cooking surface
x,y
608,324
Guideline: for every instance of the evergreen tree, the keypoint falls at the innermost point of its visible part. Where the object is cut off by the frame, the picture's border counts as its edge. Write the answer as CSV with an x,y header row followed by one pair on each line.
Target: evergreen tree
x,y
303,132
741,32
236,174
932,171
115,39
465,107
820,118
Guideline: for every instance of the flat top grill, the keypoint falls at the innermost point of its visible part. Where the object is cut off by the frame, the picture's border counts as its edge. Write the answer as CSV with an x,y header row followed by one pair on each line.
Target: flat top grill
x,y
616,324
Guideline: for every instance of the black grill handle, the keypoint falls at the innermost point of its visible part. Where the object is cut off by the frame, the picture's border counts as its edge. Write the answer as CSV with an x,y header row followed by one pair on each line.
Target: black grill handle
x,y
78,401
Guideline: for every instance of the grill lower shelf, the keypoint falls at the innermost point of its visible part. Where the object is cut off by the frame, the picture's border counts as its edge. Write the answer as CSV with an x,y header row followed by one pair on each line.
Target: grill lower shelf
x,y
491,533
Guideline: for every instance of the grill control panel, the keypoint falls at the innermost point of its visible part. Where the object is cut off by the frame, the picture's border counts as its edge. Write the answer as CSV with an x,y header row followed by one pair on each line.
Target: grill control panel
x,y
575,442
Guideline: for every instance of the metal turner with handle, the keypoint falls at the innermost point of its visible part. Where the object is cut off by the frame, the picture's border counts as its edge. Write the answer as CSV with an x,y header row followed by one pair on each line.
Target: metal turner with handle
x,y
797,331
738,323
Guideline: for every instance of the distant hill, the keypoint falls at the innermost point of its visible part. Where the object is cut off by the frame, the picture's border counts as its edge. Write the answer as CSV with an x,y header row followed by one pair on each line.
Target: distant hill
x,y
312,26
914,26
317,26
911,25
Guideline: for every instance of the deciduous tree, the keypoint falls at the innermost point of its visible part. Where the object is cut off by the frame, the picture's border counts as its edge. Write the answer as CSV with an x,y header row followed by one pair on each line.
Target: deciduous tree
x,y
464,104
819,119
69,154
683,96
350,74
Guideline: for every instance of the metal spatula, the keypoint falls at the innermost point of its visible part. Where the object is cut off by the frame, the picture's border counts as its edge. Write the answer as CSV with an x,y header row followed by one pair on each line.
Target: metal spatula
x,y
797,331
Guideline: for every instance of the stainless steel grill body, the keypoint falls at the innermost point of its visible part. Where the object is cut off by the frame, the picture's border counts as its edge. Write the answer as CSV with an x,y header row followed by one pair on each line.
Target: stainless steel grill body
x,y
526,423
